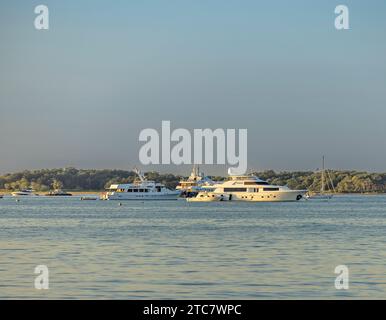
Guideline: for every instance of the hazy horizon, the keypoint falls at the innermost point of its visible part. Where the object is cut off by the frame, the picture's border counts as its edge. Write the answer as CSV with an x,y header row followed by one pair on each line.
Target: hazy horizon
x,y
79,93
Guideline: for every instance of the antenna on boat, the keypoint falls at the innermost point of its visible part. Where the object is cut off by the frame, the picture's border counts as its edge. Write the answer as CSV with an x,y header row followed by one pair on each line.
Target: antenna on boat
x,y
322,188
140,174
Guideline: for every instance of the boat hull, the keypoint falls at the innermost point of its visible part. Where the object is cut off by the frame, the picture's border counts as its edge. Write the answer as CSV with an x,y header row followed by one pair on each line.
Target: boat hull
x,y
208,197
22,194
279,196
143,196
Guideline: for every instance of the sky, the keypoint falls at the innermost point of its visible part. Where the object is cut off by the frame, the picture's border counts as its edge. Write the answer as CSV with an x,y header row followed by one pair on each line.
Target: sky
x,y
79,93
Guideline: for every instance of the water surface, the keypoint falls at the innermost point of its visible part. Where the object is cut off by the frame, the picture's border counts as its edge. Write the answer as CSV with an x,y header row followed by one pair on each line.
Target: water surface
x,y
179,250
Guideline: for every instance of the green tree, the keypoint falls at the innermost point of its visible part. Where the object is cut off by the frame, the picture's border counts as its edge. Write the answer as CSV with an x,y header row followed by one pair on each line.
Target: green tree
x,y
57,184
24,183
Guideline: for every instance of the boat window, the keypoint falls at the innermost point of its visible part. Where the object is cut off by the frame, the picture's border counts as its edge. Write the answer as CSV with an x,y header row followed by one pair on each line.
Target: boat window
x,y
129,190
271,189
135,190
254,183
235,189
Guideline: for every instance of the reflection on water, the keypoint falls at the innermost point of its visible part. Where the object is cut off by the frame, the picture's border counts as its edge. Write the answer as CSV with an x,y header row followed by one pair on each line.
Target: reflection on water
x,y
97,249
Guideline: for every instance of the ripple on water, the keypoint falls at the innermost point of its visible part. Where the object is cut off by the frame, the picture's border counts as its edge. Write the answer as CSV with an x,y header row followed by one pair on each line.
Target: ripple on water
x,y
171,250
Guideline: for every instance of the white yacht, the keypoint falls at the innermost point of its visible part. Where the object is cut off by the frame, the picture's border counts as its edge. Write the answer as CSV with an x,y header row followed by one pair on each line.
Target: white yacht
x,y
141,189
24,192
251,188
194,183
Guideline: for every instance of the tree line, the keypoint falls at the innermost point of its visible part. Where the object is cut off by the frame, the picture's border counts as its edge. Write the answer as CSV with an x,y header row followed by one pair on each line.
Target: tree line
x,y
84,179
76,179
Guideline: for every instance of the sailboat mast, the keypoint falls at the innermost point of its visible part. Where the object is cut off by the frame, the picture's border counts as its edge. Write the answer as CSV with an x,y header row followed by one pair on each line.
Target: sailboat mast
x,y
322,189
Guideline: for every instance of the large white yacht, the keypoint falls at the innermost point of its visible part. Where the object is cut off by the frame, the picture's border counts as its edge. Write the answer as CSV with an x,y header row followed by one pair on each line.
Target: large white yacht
x,y
141,189
251,188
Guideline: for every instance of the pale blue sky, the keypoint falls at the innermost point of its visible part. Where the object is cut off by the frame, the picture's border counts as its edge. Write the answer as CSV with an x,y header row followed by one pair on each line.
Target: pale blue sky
x,y
79,94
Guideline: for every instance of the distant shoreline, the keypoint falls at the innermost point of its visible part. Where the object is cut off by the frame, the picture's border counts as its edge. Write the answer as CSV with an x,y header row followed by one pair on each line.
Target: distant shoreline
x,y
4,192
86,181
74,193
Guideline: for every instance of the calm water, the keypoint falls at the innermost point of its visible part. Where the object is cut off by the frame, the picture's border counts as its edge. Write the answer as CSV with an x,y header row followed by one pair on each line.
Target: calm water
x,y
171,250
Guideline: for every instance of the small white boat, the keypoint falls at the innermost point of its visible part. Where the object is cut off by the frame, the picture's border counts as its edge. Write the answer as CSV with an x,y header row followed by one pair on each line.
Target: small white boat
x,y
88,198
24,193
318,196
58,193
